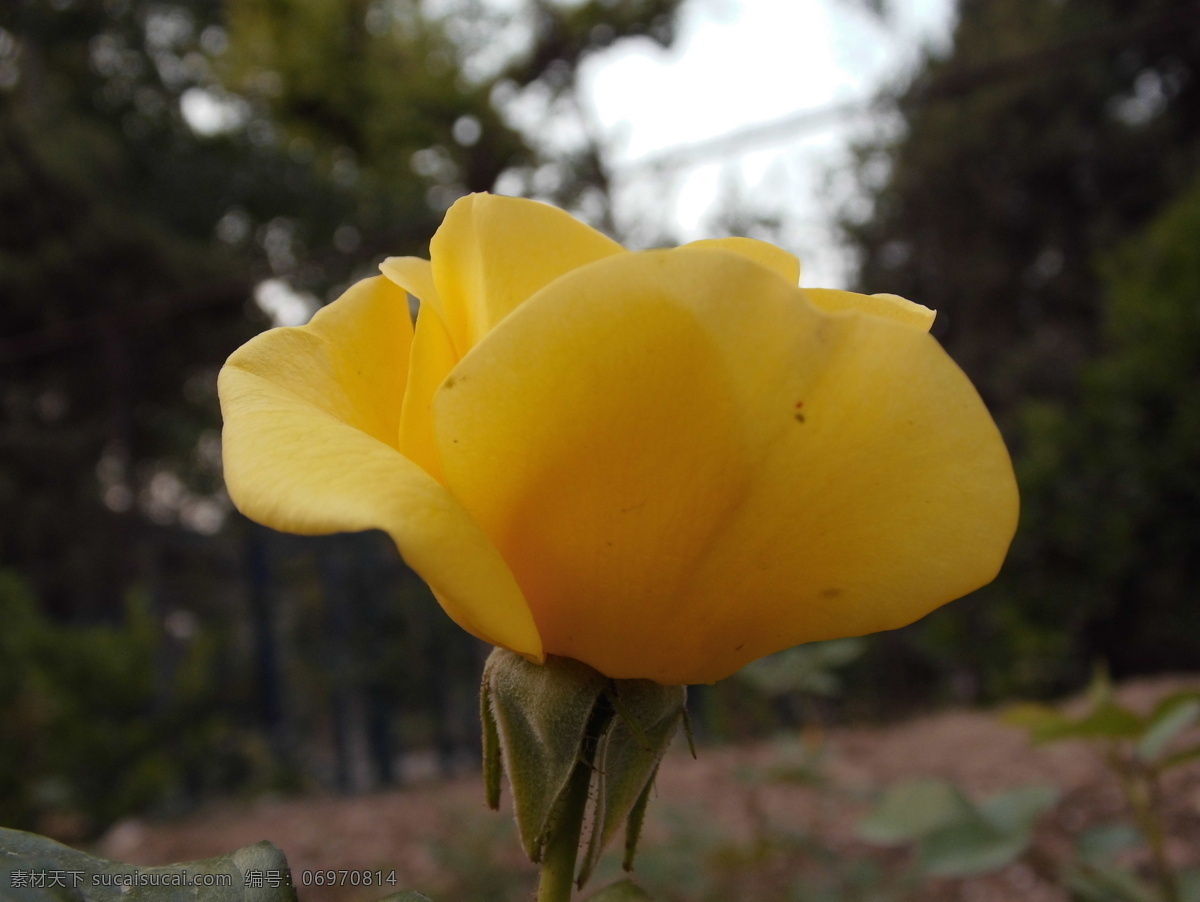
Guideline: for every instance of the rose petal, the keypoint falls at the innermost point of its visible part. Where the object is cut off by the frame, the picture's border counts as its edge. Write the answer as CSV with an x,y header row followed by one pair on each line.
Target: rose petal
x,y
770,256
310,446
891,306
493,252
415,276
433,358
687,468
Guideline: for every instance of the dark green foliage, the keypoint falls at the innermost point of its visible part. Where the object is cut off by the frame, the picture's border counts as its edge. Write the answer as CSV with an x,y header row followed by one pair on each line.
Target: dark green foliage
x,y
1036,196
1050,133
130,243
1112,502
1126,457
132,240
119,300
98,722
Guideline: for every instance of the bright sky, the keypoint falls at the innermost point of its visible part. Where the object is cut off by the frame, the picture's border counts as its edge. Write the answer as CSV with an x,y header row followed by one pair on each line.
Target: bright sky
x,y
738,63
735,63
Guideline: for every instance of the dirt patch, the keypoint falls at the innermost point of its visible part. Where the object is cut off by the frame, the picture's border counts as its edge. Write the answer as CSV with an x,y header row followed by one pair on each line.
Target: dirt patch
x,y
731,801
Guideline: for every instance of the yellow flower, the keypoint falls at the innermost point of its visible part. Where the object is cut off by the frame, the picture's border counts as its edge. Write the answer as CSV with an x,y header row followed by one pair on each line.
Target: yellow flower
x,y
664,464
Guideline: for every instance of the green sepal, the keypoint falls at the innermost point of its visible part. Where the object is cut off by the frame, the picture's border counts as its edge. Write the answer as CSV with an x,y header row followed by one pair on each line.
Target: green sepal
x,y
647,717
633,825
492,766
541,714
691,737
100,880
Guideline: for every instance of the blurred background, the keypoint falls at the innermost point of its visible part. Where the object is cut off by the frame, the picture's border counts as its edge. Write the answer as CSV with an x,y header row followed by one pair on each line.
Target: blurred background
x,y
178,175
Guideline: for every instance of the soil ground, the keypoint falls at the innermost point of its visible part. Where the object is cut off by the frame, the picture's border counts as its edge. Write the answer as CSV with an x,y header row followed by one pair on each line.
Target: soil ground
x,y
730,805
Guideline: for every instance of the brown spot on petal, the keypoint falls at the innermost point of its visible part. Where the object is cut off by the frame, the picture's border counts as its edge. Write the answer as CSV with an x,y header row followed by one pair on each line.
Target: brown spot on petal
x,y
830,593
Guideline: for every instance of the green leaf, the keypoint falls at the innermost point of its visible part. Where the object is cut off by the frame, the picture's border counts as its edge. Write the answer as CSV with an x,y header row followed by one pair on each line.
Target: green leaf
x,y
36,869
1109,721
1017,810
957,838
1098,845
988,837
1032,716
970,848
805,668
625,891
1184,757
913,809
1092,883
1175,699
839,652
1189,885
1172,717
1105,719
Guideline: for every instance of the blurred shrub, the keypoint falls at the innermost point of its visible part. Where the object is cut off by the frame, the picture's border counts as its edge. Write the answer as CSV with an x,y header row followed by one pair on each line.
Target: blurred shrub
x,y
956,837
809,669
1139,751
1110,558
1034,189
102,720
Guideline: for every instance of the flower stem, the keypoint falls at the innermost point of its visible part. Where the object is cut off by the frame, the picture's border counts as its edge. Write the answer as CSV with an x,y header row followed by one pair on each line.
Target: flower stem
x,y
562,845
558,856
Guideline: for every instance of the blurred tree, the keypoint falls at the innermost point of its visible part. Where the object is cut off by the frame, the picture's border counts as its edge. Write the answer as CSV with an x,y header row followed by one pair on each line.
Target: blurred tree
x,y
389,90
161,160
120,296
1113,480
162,166
1015,165
1048,133
93,732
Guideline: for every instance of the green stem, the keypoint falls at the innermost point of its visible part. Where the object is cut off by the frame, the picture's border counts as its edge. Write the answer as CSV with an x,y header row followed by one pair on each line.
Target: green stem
x,y
559,853
562,845
1153,828
1145,798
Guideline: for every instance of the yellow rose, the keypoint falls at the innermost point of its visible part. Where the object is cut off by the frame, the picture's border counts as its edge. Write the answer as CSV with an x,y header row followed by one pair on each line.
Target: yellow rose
x,y
664,464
